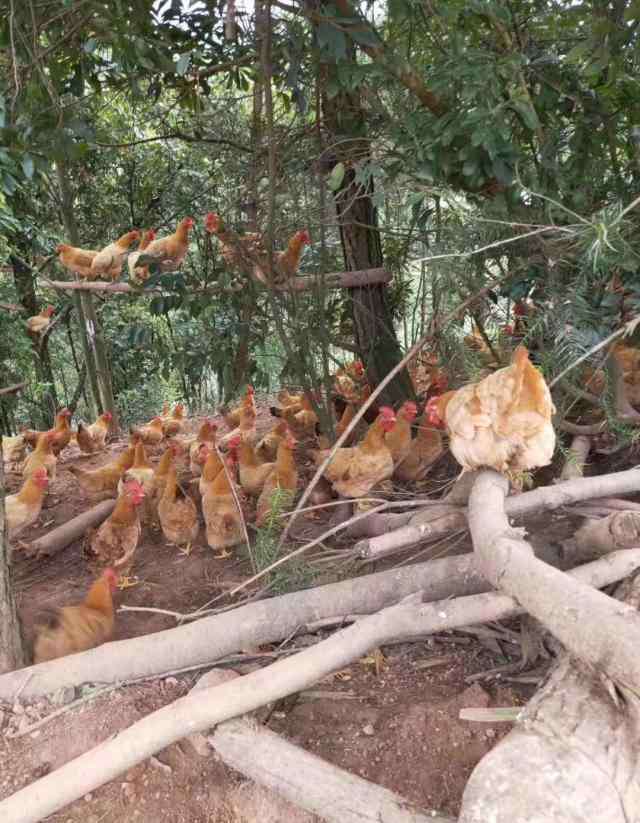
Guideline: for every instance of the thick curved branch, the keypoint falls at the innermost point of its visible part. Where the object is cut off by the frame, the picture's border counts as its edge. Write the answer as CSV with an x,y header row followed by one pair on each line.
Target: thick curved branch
x,y
594,628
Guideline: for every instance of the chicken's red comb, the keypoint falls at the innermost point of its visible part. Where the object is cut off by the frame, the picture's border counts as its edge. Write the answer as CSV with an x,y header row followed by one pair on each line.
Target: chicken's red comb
x,y
111,576
40,474
107,415
305,236
134,488
235,442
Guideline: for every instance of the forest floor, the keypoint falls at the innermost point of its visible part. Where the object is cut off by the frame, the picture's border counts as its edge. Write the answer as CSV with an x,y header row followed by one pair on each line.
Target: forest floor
x,y
393,720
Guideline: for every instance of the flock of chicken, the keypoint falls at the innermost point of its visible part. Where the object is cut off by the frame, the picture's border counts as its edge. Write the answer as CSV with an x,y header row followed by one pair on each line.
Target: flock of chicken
x,y
502,421
244,252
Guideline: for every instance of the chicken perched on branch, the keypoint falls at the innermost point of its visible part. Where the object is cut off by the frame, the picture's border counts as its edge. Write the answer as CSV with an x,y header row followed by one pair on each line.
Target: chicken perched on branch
x,y
248,253
503,422
71,629
117,538
77,260
171,250
99,484
23,508
353,472
93,438
138,275
177,512
109,260
39,323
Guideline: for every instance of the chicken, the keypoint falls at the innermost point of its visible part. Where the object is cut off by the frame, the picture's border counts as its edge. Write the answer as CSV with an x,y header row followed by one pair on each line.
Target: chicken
x,y
303,421
252,471
281,483
354,471
246,431
502,422
162,470
13,449
102,483
93,438
349,381
109,260
628,359
151,434
40,322
267,448
77,260
247,252
61,430
71,629
42,456
177,512
425,449
211,467
142,471
175,423
347,416
172,249
399,440
285,398
117,538
23,508
232,418
138,275
223,519
206,436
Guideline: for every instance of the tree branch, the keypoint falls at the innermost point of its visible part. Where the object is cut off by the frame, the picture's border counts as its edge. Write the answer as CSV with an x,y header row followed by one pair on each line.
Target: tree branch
x,y
12,389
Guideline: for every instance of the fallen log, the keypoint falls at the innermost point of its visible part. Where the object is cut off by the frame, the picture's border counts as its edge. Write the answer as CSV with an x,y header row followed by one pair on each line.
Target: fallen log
x,y
620,530
59,538
576,741
597,630
302,778
200,710
545,498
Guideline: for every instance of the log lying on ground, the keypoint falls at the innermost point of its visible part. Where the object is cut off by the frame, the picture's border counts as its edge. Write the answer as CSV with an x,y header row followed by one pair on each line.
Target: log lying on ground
x,y
302,778
576,742
58,539
199,711
546,498
593,627
265,621
620,530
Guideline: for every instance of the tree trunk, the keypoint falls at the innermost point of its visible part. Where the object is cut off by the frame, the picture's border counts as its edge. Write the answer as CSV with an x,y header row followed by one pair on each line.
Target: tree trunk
x,y
92,342
375,336
23,279
12,653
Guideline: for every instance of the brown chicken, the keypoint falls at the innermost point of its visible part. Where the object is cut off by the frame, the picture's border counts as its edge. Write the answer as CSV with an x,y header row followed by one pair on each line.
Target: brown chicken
x,y
116,540
354,471
281,483
399,440
142,471
252,471
425,449
174,424
232,418
93,438
178,514
13,449
71,629
151,434
285,398
40,322
267,447
246,431
42,456
349,382
211,467
247,252
102,483
162,469
23,508
108,261
223,519
138,275
77,260
303,421
61,430
502,422
171,250
206,436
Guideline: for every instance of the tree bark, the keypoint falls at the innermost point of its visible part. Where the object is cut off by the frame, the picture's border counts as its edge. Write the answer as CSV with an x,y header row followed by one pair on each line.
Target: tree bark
x,y
375,336
12,651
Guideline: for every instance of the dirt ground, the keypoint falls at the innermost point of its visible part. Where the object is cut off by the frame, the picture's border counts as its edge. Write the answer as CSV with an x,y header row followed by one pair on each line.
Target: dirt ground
x,y
392,719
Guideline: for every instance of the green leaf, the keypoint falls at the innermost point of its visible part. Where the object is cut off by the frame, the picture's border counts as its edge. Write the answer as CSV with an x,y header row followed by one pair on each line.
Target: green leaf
x,y
183,63
336,177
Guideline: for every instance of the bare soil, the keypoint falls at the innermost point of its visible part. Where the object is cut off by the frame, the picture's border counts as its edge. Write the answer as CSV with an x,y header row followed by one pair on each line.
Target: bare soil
x,y
393,719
